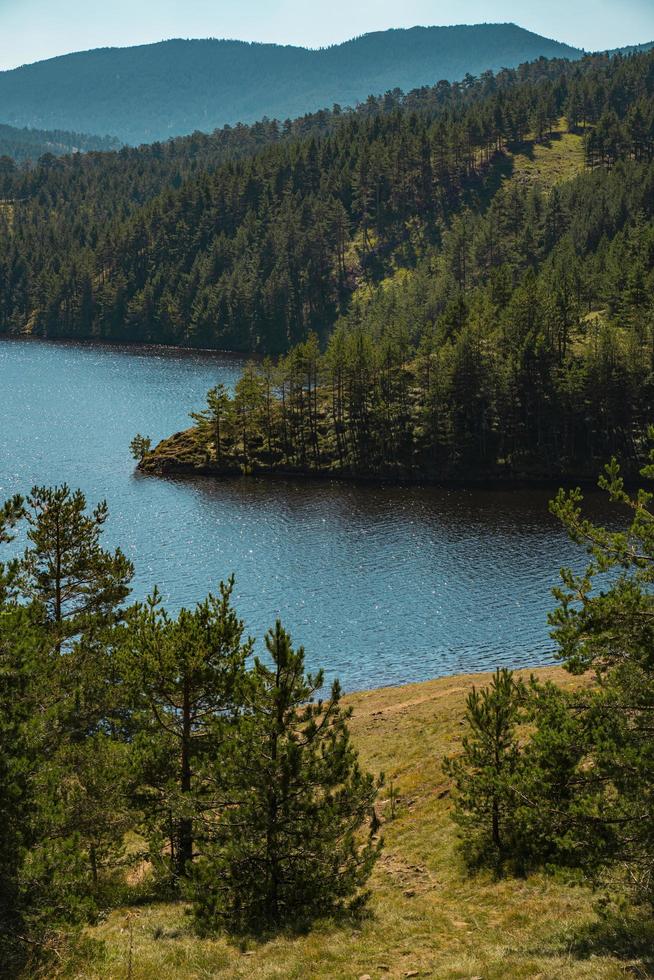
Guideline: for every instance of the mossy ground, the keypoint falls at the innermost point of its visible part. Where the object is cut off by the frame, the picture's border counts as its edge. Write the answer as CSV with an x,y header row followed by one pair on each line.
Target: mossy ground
x,y
428,918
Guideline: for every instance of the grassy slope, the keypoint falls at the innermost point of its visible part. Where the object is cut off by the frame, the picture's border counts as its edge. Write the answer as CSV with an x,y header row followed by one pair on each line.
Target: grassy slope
x,y
427,915
553,162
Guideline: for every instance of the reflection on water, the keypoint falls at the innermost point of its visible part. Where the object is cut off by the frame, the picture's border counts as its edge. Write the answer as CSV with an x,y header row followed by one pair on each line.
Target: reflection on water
x,y
381,584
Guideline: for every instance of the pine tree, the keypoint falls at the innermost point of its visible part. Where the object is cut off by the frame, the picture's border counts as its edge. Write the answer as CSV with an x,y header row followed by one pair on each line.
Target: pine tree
x,y
10,513
579,791
140,446
18,661
185,676
287,843
19,760
215,421
80,815
551,787
78,584
609,631
66,600
484,771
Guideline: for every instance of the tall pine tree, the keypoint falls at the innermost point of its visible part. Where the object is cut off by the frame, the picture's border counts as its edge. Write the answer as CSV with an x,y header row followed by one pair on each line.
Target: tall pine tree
x,y
286,843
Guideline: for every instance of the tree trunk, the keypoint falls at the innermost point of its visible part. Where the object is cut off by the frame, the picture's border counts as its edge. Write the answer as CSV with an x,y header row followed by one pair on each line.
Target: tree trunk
x,y
185,828
497,841
272,857
93,858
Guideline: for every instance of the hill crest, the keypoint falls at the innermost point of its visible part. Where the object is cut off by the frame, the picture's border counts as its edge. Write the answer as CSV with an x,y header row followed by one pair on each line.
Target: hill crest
x,y
177,86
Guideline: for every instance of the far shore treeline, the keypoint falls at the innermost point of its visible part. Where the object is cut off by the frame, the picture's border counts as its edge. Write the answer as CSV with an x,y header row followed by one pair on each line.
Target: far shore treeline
x,y
251,238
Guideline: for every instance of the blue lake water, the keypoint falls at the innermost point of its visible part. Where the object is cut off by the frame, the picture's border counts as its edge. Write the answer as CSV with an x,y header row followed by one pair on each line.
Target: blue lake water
x,y
382,585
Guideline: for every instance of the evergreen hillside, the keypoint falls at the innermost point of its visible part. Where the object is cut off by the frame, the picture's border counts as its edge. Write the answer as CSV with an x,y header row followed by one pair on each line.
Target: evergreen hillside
x,y
27,145
509,332
475,304
253,237
155,91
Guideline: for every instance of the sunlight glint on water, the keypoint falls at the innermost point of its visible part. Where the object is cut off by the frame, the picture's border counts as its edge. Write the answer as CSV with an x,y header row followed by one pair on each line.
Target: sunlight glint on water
x,y
382,585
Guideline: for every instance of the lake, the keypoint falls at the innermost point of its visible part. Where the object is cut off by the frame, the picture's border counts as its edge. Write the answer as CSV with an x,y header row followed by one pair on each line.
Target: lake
x,y
382,585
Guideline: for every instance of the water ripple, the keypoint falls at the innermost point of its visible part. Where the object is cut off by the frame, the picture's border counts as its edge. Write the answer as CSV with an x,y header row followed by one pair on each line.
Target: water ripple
x,y
382,585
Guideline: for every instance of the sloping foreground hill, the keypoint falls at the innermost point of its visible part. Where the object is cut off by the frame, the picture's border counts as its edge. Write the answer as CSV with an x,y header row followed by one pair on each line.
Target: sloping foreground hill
x,y
429,919
155,91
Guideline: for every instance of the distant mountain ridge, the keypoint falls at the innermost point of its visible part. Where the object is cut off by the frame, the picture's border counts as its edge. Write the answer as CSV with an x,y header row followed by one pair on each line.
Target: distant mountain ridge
x,y
155,91
24,145
634,48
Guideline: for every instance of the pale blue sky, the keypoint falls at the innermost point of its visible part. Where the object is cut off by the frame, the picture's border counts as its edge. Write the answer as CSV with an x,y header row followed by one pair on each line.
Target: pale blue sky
x,y
34,29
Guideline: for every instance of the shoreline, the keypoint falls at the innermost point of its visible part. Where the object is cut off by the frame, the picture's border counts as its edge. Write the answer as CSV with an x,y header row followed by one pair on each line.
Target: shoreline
x,y
183,454
434,687
170,469
127,345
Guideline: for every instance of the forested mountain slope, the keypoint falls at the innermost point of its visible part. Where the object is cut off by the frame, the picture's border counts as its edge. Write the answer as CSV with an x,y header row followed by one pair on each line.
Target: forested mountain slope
x,y
527,355
169,244
27,145
160,90
110,186
467,271
518,343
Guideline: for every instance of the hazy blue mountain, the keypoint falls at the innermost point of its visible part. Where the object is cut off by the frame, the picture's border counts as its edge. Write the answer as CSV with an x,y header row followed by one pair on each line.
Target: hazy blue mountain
x,y
30,144
634,48
159,90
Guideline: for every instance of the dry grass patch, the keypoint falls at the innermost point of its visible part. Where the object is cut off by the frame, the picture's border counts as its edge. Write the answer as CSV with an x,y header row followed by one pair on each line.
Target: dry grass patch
x,y
549,163
427,917
7,213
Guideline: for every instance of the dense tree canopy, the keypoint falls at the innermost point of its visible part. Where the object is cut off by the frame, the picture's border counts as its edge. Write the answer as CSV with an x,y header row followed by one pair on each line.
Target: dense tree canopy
x,y
468,328
508,374
207,242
